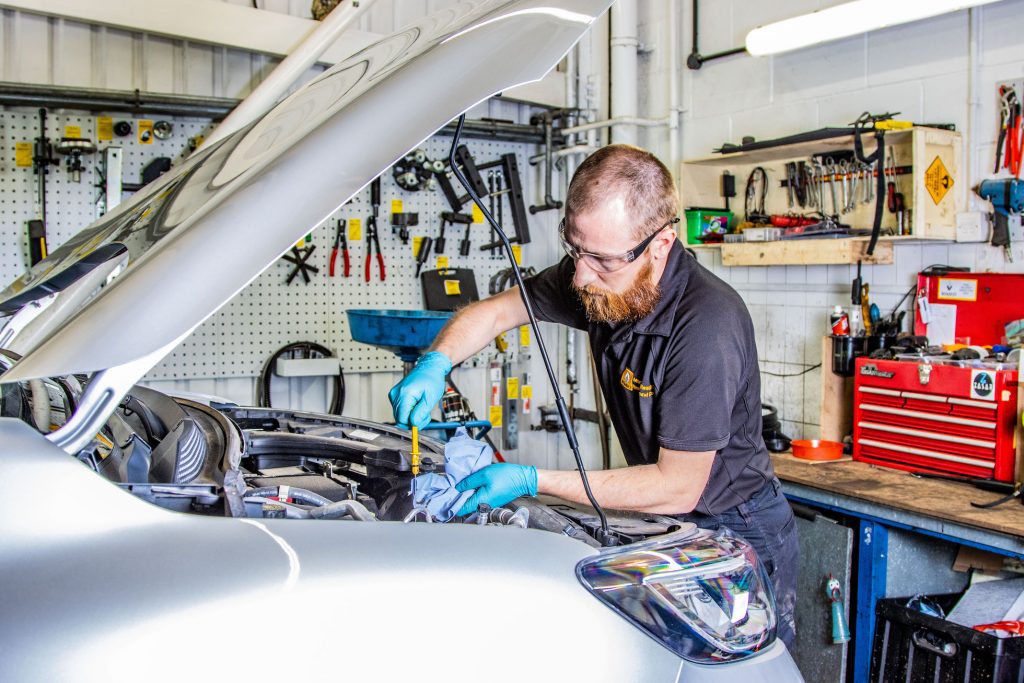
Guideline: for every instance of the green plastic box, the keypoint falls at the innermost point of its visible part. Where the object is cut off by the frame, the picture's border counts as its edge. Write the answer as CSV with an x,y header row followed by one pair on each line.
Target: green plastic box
x,y
707,225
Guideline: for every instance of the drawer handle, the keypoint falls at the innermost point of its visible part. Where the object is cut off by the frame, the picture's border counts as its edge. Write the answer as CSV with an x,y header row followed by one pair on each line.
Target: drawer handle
x,y
948,649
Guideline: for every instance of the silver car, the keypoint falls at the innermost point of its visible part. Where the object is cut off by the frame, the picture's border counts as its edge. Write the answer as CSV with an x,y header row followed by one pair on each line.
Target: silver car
x,y
159,538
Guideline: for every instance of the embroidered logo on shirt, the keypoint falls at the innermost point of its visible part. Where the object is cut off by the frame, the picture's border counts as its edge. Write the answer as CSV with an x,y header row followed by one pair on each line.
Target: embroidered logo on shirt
x,y
630,382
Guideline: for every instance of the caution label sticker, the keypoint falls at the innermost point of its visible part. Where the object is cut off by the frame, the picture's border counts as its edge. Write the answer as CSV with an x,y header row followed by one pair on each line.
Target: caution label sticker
x,y
22,154
512,387
104,128
937,180
355,229
494,414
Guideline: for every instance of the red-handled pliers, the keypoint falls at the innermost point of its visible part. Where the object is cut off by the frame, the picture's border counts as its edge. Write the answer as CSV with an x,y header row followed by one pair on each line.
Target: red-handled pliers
x,y
340,244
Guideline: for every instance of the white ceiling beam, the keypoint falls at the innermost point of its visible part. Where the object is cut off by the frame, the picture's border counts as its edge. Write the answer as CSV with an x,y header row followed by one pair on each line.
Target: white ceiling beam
x,y
202,21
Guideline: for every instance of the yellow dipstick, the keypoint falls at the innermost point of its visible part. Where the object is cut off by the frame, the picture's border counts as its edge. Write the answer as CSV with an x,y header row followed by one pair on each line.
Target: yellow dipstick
x,y
414,454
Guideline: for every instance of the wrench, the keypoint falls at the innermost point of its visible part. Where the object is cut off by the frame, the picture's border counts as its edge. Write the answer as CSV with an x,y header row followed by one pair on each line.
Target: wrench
x,y
830,169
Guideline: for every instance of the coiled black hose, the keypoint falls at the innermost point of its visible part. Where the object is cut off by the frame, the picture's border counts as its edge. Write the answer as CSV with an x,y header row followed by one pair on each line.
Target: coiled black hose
x,y
263,387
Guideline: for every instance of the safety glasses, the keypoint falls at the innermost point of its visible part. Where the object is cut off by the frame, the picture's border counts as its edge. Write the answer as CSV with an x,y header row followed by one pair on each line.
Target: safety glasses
x,y
603,263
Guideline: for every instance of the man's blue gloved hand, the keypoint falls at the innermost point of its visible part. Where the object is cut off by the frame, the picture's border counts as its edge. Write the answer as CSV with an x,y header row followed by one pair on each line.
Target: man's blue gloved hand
x,y
415,396
498,484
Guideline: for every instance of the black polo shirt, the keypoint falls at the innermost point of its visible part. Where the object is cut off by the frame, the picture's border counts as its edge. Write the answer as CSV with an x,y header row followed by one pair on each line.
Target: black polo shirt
x,y
685,377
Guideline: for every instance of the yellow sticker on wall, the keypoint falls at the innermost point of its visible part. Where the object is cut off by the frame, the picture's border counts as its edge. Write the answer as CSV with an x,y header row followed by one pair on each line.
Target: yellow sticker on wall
x,y
937,180
512,387
146,132
23,154
441,263
416,242
452,288
104,128
72,131
494,414
524,335
517,252
396,206
527,391
355,229
478,215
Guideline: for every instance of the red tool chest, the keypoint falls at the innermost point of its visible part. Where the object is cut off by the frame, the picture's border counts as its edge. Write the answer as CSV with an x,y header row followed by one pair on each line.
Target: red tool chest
x,y
915,415
935,414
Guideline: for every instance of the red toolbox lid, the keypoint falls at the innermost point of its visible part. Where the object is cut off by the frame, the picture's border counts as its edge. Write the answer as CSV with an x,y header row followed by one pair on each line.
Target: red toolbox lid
x,y
984,303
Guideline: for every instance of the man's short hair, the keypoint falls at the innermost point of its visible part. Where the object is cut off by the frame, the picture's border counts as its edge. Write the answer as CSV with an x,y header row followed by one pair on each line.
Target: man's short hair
x,y
646,184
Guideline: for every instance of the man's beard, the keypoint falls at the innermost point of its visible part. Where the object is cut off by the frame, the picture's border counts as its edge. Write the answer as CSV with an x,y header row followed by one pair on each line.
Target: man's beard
x,y
634,304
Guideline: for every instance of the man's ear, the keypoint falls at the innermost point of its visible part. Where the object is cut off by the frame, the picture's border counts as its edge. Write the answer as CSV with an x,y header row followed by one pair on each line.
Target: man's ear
x,y
662,244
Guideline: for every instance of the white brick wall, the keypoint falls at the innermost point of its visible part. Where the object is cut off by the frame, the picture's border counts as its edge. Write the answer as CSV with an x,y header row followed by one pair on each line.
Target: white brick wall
x,y
922,70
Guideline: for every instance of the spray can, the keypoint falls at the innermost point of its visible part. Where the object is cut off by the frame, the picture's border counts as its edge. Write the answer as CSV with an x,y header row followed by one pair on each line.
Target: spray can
x,y
840,322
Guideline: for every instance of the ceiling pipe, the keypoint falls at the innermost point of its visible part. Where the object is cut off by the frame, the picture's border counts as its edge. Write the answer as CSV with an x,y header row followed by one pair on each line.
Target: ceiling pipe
x,y
269,91
624,45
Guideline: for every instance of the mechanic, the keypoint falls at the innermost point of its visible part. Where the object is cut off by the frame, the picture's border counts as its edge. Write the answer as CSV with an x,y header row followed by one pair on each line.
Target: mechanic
x,y
677,360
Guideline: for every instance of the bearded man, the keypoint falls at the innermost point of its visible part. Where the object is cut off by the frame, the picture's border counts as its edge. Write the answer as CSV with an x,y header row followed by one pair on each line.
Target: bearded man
x,y
675,350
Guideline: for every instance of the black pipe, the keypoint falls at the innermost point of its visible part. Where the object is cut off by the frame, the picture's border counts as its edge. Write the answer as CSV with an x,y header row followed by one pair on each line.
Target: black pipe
x,y
696,60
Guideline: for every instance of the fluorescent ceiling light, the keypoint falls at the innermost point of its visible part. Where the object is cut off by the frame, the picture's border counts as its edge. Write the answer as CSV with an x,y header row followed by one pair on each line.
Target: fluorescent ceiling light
x,y
845,20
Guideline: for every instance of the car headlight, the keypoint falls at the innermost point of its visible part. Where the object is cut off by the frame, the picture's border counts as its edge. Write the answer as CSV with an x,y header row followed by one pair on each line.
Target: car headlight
x,y
705,596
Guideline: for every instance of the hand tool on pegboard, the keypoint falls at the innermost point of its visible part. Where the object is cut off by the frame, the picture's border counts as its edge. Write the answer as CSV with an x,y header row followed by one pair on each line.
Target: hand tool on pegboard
x,y
300,257
450,218
340,245
42,159
372,240
1010,144
426,243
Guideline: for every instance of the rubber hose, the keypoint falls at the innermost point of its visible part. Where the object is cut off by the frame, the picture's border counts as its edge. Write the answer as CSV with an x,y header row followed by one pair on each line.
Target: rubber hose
x,y
263,386
301,495
340,508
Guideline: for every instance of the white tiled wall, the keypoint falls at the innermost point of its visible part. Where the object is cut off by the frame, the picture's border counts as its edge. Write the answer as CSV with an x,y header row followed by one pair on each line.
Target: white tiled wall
x,y
923,70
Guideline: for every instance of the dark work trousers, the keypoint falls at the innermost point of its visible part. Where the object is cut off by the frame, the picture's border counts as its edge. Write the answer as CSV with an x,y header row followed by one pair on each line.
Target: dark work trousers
x,y
766,522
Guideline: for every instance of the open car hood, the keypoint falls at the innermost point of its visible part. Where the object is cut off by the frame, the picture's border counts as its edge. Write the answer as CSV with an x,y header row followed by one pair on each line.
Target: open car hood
x,y
186,244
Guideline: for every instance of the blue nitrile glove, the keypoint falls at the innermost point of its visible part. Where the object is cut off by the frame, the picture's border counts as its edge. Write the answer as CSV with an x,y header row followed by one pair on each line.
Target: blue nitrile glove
x,y
415,396
498,484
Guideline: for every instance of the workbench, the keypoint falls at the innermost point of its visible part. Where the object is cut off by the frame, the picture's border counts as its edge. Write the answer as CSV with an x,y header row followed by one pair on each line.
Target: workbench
x,y
880,500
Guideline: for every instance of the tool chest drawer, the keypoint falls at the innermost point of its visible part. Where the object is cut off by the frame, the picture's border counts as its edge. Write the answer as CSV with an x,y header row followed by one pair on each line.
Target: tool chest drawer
x,y
933,417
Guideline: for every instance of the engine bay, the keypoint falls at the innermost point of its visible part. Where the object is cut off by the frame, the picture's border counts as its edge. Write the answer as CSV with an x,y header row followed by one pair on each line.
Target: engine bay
x,y
219,459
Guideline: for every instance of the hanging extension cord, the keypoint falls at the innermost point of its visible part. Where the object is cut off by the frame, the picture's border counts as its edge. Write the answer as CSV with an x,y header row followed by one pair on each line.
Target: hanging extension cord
x,y
605,537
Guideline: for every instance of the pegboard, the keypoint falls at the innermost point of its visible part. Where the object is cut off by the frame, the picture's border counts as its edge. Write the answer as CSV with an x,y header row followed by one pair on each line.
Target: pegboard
x,y
268,314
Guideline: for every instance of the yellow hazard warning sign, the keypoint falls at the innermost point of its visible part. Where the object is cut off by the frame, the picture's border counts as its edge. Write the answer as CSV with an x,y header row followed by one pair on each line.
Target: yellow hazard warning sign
x,y
937,180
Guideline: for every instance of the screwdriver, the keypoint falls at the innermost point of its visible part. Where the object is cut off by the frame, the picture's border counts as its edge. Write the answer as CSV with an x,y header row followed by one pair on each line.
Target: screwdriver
x,y
414,454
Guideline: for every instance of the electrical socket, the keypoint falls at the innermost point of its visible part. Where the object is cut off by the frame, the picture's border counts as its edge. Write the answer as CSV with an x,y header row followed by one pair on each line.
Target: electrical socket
x,y
971,226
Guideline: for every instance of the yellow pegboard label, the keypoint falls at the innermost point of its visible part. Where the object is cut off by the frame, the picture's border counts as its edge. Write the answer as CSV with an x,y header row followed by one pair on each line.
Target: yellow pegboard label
x,y
512,387
72,131
416,242
355,229
517,252
478,215
441,263
23,154
104,128
396,206
527,391
452,288
524,335
494,414
146,132
937,180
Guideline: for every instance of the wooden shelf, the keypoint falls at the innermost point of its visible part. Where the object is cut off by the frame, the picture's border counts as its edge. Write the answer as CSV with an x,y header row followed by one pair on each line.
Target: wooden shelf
x,y
932,196
802,252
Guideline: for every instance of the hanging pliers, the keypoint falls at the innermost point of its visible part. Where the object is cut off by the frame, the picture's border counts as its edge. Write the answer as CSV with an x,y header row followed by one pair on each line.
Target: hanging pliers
x,y
340,244
372,242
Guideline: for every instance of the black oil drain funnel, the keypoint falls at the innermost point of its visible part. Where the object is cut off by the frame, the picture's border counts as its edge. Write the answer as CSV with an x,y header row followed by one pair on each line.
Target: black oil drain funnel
x,y
605,537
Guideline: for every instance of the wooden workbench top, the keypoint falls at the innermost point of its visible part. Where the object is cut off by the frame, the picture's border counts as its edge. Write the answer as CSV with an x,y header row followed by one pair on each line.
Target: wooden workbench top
x,y
897,489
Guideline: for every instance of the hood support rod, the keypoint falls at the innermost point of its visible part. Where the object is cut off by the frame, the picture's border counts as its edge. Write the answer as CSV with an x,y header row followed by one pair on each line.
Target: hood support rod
x,y
604,536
